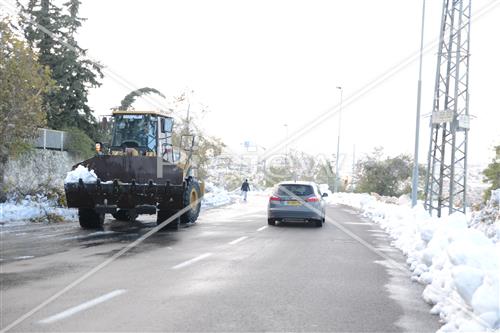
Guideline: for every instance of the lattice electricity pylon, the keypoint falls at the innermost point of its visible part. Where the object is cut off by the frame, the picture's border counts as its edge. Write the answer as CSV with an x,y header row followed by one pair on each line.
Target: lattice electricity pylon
x,y
446,181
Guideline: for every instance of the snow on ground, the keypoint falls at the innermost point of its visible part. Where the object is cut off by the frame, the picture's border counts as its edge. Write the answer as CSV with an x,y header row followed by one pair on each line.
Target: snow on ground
x,y
32,208
216,197
457,258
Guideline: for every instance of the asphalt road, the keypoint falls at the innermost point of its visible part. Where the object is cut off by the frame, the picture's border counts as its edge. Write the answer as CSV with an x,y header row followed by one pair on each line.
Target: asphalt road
x,y
228,272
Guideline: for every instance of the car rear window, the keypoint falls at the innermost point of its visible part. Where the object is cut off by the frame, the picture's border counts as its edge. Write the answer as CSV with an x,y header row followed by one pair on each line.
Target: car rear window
x,y
298,190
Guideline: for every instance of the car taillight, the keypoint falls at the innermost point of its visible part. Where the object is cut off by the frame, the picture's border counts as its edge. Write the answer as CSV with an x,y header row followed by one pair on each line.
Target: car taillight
x,y
274,198
312,199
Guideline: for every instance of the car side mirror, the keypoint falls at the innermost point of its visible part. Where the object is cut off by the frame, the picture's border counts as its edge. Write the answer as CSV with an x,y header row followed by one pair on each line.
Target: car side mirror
x,y
324,195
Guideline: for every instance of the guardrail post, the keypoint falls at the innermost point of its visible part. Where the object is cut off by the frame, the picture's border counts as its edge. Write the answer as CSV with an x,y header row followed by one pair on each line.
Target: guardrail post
x,y
44,138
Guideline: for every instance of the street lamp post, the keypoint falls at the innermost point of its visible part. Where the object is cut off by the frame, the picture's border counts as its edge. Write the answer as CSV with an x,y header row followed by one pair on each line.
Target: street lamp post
x,y
337,178
414,183
286,141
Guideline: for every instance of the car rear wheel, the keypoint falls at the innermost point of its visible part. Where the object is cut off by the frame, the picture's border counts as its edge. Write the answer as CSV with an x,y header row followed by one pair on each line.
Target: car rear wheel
x,y
318,223
271,222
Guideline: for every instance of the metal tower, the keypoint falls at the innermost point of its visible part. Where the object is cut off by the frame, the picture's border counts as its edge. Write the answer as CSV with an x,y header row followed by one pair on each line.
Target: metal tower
x,y
446,181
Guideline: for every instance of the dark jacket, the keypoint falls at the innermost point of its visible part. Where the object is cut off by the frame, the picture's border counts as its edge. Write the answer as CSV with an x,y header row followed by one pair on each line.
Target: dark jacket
x,y
245,187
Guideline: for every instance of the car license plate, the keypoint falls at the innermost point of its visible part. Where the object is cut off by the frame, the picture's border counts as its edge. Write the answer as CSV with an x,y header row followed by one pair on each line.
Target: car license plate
x,y
292,203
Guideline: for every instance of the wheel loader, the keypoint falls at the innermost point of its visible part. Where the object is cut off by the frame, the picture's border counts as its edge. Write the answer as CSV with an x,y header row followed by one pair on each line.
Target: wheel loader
x,y
141,172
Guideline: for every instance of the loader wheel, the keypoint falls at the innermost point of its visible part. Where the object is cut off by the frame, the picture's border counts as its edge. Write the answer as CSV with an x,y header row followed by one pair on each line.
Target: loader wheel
x,y
163,215
191,197
90,219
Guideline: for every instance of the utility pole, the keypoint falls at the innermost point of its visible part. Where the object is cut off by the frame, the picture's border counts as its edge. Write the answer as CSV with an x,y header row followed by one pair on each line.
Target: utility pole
x,y
446,182
187,118
414,183
353,166
337,178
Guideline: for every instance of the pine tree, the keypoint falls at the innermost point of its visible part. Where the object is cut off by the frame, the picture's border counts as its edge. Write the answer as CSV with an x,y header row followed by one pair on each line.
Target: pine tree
x,y
128,100
51,31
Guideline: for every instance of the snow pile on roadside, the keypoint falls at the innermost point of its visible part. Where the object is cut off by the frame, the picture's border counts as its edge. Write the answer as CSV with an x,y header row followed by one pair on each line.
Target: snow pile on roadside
x,y
33,209
460,265
87,176
216,197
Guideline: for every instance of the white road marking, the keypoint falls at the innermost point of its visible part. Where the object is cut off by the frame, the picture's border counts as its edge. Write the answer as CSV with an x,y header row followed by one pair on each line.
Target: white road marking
x,y
262,228
192,261
359,223
24,257
81,307
236,241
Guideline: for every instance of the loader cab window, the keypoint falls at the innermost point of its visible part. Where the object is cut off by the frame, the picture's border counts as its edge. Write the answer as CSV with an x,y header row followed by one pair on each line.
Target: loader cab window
x,y
135,131
165,139
166,125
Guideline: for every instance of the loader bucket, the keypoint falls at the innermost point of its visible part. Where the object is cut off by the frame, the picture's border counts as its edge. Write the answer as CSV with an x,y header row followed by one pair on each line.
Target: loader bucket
x,y
142,169
128,182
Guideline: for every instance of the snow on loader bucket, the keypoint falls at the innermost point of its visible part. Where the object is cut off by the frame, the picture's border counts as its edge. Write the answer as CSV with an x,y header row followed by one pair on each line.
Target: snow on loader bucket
x,y
146,181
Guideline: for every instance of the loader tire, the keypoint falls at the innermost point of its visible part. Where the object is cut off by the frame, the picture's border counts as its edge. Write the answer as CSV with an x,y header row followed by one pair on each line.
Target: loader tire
x,y
90,219
192,198
164,215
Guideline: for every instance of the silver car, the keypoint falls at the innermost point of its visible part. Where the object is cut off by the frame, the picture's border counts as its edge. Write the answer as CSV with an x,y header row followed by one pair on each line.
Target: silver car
x,y
295,201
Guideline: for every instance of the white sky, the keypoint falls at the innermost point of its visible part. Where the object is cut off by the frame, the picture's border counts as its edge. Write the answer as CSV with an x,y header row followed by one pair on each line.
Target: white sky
x,y
260,64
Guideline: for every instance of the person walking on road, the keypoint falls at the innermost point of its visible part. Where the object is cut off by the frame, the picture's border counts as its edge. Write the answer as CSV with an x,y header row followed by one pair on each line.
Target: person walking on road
x,y
245,187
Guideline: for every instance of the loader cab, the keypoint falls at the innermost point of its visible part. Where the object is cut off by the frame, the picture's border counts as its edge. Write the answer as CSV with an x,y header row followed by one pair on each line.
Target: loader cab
x,y
142,134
